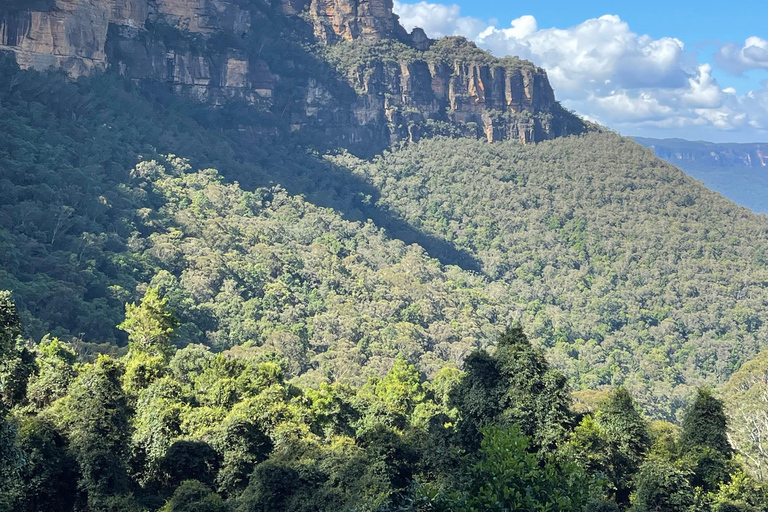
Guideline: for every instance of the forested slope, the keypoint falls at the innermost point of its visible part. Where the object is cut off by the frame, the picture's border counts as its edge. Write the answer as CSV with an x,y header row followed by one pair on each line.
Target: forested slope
x,y
623,269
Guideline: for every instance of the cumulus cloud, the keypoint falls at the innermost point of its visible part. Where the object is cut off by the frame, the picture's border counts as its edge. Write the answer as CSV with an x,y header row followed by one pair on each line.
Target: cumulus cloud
x,y
438,20
739,58
610,74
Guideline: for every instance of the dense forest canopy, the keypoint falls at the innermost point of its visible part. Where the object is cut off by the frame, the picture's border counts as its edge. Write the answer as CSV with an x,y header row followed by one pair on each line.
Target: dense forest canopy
x,y
204,310
183,430
624,270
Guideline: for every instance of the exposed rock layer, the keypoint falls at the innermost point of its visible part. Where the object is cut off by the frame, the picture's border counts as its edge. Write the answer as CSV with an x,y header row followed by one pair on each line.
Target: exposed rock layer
x,y
211,50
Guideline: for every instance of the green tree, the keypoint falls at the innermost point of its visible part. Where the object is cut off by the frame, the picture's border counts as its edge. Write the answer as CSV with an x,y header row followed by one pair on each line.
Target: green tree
x,y
662,487
150,325
56,371
627,440
242,444
514,386
704,441
194,496
509,478
705,424
17,363
741,494
48,478
156,425
746,399
99,432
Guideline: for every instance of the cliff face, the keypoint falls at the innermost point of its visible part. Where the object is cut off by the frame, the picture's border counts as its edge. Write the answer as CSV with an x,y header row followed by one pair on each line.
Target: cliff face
x,y
708,155
369,20
220,50
481,100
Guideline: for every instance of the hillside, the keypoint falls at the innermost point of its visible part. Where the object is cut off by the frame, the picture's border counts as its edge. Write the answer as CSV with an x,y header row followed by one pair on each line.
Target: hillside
x,y
625,270
737,171
285,256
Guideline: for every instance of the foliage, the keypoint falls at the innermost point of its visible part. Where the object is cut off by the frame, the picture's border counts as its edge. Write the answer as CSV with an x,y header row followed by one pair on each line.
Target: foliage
x,y
193,496
97,422
746,399
150,326
511,478
48,476
624,271
704,441
662,487
514,386
224,432
625,434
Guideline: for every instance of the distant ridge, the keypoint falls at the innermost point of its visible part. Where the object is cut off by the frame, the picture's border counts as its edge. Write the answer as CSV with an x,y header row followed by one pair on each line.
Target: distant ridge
x,y
739,171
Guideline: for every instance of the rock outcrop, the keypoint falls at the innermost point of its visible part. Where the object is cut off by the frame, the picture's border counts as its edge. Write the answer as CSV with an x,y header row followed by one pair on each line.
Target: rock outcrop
x,y
369,20
67,34
492,101
216,51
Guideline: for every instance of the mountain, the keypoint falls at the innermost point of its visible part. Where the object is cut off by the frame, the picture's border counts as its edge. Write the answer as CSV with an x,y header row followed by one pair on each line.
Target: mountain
x,y
343,68
287,256
738,171
350,210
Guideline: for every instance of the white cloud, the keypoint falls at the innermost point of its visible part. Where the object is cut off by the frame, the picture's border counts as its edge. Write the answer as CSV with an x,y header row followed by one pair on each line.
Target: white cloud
x,y
610,74
438,20
752,55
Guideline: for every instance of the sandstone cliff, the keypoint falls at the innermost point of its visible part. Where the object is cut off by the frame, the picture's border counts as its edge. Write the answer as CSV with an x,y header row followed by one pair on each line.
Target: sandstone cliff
x,y
384,84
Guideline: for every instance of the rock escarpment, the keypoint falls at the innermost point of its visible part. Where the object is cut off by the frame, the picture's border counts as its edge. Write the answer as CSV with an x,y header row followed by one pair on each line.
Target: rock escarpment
x,y
384,84
441,90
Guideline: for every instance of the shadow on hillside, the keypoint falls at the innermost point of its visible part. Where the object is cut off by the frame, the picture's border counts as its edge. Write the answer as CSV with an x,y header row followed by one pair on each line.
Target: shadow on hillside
x,y
290,158
336,187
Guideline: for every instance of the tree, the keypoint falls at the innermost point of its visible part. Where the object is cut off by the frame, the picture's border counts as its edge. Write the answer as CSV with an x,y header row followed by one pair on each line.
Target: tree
x,y
242,444
190,460
150,326
746,398
194,496
509,478
627,440
99,432
706,425
742,494
55,361
48,478
704,441
273,487
662,487
17,363
514,386
156,425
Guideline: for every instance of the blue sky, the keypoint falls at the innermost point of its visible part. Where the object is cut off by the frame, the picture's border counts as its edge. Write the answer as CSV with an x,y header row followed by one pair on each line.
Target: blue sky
x,y
697,70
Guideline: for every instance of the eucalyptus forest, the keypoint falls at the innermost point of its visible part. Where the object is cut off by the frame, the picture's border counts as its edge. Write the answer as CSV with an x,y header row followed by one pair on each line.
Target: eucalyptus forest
x,y
205,310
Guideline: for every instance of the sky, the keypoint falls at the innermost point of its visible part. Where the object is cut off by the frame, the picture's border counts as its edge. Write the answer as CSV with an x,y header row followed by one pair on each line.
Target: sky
x,y
696,70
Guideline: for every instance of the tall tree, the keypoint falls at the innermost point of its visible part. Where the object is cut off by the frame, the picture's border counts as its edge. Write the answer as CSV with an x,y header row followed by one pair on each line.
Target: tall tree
x,y
514,386
746,398
48,478
662,487
627,440
16,365
150,325
99,432
509,478
704,440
